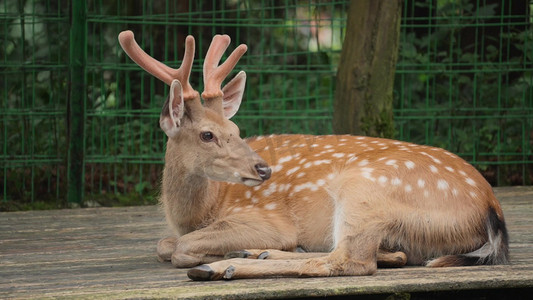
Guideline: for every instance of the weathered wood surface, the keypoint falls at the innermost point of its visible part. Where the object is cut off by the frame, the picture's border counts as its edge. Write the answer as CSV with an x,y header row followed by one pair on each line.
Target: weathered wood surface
x,y
110,253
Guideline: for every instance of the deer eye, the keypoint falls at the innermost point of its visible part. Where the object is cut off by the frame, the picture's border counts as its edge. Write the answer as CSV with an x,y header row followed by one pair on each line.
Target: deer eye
x,y
207,136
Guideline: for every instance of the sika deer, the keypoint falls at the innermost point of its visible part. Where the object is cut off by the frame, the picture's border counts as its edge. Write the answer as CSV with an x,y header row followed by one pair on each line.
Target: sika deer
x,y
351,202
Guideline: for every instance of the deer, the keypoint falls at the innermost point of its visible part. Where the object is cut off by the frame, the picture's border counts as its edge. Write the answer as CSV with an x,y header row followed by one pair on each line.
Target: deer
x,y
293,205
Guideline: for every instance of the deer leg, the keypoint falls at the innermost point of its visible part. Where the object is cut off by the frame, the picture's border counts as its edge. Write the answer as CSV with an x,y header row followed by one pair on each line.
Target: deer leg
x,y
165,248
358,230
232,233
355,254
347,259
272,254
386,259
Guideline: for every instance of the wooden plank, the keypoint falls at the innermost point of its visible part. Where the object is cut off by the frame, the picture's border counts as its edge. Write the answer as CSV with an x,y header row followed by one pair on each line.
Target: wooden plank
x,y
110,253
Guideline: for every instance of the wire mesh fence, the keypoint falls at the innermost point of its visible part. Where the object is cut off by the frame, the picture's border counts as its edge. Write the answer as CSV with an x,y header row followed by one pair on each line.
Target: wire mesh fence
x,y
463,82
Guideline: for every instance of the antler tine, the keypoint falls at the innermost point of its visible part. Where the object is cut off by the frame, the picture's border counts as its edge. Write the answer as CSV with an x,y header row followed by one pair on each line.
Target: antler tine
x,y
214,74
157,68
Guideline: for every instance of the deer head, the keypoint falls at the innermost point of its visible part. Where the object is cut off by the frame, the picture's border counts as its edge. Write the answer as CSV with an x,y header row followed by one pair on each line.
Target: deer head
x,y
202,141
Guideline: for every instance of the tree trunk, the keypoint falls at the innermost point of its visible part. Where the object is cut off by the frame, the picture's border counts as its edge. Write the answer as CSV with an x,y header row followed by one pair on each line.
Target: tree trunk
x,y
363,99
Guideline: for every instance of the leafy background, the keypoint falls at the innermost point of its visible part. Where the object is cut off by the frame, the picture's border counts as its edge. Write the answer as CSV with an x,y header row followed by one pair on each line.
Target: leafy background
x,y
463,82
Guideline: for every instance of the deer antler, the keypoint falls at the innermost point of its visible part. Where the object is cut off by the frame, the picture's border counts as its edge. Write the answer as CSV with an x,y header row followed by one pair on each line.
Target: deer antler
x,y
215,74
157,68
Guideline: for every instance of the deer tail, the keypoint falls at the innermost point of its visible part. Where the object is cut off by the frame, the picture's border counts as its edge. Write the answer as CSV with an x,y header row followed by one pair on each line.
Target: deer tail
x,y
494,252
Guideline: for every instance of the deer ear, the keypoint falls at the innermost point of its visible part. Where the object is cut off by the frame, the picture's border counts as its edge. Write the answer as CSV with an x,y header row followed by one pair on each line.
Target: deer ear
x,y
172,112
233,92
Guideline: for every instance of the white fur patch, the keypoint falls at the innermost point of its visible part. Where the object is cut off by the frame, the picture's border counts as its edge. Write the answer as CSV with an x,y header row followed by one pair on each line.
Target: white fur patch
x,y
362,163
470,181
396,181
271,206
291,171
285,159
442,184
421,183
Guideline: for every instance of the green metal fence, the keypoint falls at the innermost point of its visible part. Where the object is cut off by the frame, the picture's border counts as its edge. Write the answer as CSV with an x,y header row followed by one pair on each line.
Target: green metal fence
x,y
463,82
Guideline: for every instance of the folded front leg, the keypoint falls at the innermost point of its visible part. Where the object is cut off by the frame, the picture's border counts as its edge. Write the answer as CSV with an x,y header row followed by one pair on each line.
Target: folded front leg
x,y
235,232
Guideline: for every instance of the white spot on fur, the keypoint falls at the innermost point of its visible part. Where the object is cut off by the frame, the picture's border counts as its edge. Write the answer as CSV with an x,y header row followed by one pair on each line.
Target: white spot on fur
x,y
328,146
455,192
270,190
308,164
277,168
421,183
362,163
470,181
408,188
320,182
300,175
433,169
285,159
289,172
392,162
330,176
309,185
382,179
450,169
396,181
368,176
473,194
442,184
462,172
352,158
436,160
409,164
320,162
338,155
248,194
271,206
237,209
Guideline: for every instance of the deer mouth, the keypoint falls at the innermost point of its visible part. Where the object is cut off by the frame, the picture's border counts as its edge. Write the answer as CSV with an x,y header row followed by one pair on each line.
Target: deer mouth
x,y
251,181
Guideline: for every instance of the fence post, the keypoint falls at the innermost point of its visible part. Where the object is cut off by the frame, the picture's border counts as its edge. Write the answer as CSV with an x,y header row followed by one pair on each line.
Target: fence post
x,y
77,101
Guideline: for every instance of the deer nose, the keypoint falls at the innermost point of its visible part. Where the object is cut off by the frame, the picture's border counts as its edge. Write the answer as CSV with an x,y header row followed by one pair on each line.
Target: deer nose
x,y
263,171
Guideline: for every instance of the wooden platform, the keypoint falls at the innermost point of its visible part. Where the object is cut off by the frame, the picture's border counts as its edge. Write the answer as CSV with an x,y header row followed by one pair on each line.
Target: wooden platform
x,y
110,253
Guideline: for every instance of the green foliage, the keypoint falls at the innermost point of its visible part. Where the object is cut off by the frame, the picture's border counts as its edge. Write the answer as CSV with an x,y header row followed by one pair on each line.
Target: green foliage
x,y
464,82
463,85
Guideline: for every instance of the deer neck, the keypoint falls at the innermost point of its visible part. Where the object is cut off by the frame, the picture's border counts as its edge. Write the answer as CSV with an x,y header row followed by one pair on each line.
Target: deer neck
x,y
189,200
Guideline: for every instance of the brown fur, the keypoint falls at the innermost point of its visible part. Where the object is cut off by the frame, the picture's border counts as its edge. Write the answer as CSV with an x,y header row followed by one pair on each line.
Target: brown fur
x,y
444,216
353,202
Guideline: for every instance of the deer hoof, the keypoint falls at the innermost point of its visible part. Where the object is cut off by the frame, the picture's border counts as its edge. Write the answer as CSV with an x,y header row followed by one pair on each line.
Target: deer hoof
x,y
237,254
263,255
228,274
201,273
